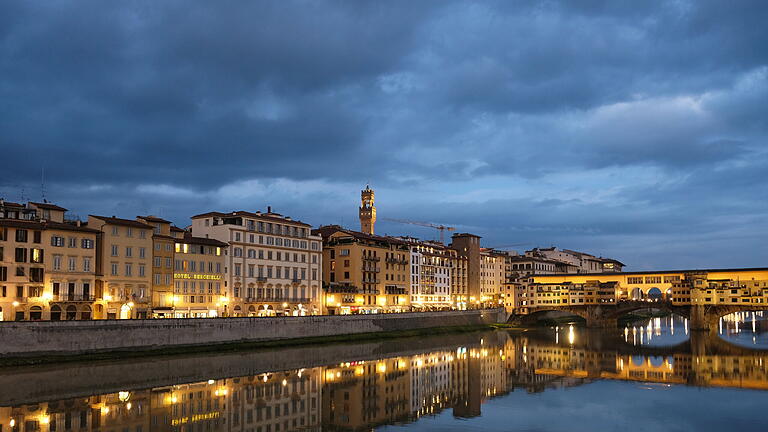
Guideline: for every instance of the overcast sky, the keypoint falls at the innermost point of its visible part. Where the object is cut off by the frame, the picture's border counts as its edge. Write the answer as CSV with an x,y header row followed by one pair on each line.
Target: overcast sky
x,y
636,130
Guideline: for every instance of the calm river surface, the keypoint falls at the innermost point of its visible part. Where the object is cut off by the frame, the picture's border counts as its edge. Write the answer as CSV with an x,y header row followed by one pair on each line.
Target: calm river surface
x,y
653,375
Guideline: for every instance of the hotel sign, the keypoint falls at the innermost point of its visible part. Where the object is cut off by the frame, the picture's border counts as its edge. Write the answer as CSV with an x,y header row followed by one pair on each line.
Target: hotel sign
x,y
196,276
195,418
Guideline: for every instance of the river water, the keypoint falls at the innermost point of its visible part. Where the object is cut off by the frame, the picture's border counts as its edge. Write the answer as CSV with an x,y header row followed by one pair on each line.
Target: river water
x,y
652,375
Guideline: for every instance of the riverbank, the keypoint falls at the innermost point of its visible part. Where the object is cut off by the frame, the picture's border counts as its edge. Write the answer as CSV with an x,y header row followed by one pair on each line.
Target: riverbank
x,y
235,347
26,342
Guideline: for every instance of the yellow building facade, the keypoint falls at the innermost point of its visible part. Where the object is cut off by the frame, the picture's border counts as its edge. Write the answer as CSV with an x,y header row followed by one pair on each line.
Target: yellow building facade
x,y
47,264
364,273
123,266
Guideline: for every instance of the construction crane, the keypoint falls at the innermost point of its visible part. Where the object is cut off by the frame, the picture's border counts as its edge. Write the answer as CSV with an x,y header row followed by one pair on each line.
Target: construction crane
x,y
441,228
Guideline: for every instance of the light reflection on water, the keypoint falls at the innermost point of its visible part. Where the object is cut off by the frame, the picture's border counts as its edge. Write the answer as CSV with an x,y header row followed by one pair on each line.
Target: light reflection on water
x,y
560,379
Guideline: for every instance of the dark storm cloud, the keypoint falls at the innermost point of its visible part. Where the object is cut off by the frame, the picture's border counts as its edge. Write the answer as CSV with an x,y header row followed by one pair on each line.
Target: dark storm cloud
x,y
609,120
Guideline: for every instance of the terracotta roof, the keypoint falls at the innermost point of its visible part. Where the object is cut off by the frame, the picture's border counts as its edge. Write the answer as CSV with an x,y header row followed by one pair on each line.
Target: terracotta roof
x,y
174,228
37,225
274,217
123,222
12,204
328,230
48,206
465,235
611,260
151,218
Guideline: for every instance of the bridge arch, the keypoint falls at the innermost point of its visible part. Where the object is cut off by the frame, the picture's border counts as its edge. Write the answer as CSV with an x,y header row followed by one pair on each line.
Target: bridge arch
x,y
655,294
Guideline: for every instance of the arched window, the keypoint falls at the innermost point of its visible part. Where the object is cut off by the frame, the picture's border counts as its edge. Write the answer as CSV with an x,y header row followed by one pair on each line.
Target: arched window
x,y
35,313
251,253
71,313
85,314
55,313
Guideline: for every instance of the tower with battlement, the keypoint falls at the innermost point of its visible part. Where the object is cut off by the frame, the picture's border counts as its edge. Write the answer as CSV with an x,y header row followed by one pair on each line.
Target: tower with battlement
x,y
367,210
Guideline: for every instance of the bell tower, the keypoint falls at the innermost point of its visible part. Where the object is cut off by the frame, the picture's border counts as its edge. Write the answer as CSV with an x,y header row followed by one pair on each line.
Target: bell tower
x,y
367,210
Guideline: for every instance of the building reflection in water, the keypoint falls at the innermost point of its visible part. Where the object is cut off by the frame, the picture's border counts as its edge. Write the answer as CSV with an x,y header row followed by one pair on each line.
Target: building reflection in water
x,y
358,395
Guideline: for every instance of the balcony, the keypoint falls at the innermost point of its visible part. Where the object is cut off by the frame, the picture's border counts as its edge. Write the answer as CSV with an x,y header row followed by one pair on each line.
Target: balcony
x,y
261,279
371,258
74,298
341,289
295,281
395,290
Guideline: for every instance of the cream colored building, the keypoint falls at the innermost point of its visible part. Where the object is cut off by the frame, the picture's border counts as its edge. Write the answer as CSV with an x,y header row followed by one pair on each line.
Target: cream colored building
x,y
123,266
162,264
431,274
274,263
198,278
492,278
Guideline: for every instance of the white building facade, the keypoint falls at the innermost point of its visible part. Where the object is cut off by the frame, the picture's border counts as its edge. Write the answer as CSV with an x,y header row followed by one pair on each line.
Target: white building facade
x,y
273,266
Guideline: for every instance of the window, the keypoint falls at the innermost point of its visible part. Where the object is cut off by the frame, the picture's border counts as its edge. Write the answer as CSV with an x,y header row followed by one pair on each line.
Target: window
x,y
128,252
142,234
72,263
72,242
129,232
3,234
37,236
36,256
114,269
114,250
3,275
142,252
158,261
344,252
237,269
86,264
57,262
86,244
115,231
35,275
21,235
142,271
57,241
128,269
21,255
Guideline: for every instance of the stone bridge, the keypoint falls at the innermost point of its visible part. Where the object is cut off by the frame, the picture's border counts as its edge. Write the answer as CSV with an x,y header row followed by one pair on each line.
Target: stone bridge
x,y
700,317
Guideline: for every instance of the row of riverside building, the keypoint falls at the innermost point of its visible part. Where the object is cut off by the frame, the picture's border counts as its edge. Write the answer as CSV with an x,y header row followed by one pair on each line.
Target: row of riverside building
x,y
245,263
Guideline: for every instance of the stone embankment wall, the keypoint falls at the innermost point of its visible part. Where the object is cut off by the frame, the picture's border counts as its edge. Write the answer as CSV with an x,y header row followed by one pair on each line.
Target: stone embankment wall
x,y
83,337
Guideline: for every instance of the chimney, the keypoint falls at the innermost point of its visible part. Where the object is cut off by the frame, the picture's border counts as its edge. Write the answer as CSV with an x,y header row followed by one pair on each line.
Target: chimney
x,y
269,209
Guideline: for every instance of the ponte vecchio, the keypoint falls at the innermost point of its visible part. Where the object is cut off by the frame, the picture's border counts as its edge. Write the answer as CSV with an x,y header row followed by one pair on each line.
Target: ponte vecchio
x,y
702,296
